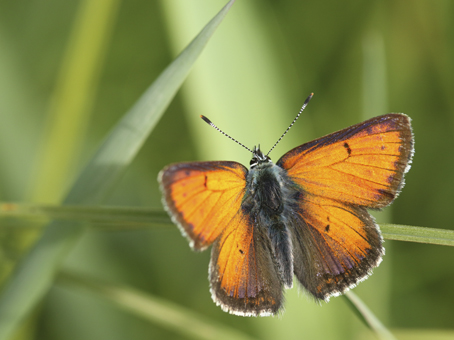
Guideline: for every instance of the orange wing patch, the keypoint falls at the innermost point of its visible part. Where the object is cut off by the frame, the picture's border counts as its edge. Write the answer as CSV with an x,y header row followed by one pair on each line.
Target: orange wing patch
x,y
335,246
243,278
363,164
203,197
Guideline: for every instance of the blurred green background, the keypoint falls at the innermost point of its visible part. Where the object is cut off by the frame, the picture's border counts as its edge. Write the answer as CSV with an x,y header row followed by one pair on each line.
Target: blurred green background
x,y
360,58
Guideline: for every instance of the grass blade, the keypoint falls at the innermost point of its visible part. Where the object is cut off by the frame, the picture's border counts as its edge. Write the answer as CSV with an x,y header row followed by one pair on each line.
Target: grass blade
x,y
365,314
34,274
127,217
408,233
101,217
160,312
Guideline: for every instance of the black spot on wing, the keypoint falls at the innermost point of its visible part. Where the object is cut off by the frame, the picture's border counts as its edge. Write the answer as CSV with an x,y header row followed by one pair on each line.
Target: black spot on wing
x,y
347,147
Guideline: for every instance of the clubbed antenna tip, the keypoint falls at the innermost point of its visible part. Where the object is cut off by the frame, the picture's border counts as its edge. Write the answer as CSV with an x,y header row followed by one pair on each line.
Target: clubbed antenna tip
x,y
206,120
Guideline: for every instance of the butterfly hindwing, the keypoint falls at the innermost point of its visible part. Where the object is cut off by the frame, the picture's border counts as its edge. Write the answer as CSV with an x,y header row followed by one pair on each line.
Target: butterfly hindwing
x,y
243,277
335,246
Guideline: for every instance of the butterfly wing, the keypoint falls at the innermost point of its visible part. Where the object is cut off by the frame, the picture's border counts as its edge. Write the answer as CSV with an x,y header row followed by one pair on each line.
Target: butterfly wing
x,y
335,246
204,200
203,197
243,277
336,241
362,165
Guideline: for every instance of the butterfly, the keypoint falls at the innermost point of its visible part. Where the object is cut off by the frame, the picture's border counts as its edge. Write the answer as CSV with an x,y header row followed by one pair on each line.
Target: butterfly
x,y
303,216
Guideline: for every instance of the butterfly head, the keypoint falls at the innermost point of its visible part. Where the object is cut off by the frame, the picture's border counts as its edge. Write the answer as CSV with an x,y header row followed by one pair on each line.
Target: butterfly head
x,y
258,157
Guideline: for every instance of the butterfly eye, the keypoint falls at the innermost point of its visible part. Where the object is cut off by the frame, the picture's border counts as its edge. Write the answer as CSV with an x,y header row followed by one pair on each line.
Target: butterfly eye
x,y
253,161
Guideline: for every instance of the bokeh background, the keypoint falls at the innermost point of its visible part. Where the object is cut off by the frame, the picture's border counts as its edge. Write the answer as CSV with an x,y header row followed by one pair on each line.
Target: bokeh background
x,y
360,58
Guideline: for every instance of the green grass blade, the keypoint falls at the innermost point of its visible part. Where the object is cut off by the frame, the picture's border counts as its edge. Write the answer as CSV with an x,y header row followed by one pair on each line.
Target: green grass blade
x,y
158,311
366,315
34,274
129,217
101,217
417,234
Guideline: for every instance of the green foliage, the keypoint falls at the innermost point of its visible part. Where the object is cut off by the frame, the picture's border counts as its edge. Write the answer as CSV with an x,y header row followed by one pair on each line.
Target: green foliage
x,y
70,70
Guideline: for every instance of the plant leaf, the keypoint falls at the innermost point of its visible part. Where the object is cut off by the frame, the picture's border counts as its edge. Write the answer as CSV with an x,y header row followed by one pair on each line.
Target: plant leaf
x,y
34,274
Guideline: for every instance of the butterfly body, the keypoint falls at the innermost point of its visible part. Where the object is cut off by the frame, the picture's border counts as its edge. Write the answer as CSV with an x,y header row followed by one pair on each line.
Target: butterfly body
x,y
304,216
270,199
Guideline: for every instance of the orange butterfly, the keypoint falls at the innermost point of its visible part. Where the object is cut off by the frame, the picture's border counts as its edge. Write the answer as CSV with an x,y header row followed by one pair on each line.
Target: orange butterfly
x,y
304,216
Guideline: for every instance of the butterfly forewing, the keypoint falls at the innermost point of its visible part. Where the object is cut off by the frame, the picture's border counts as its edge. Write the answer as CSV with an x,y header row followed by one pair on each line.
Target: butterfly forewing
x,y
362,165
203,197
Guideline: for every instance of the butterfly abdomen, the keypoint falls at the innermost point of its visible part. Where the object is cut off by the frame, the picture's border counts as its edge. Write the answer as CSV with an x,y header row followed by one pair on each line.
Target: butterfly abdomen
x,y
281,248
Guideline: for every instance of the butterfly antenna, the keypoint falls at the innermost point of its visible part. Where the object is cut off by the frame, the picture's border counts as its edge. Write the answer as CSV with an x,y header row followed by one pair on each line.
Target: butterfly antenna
x,y
297,116
209,122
